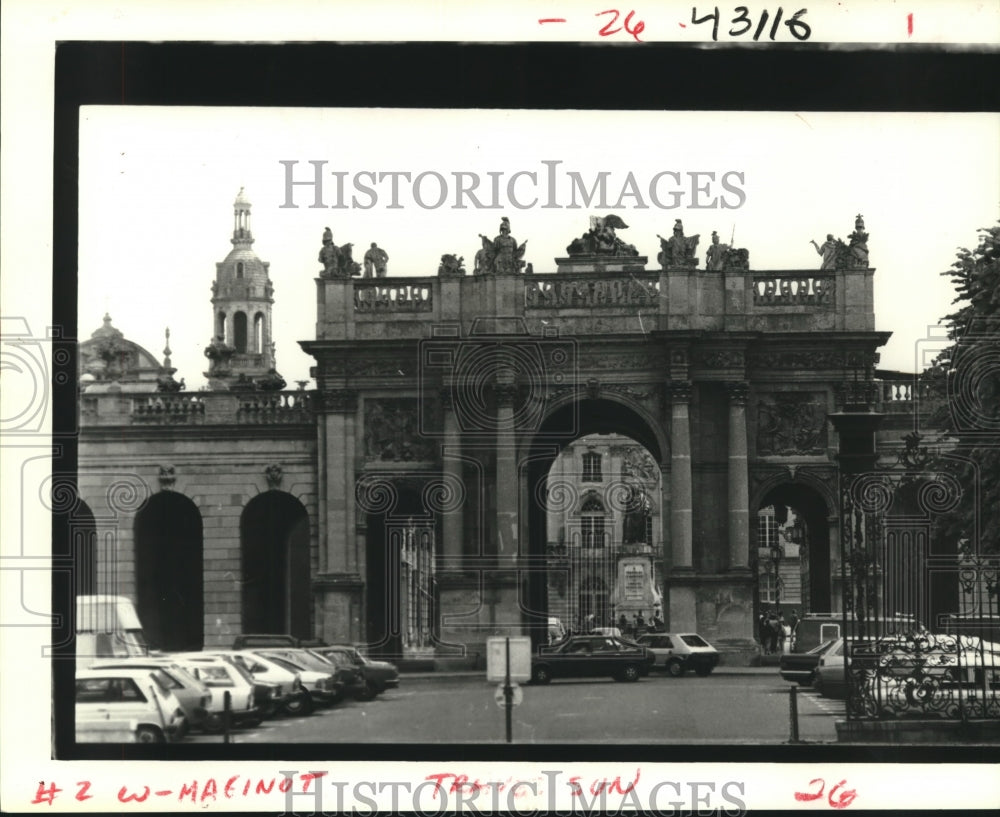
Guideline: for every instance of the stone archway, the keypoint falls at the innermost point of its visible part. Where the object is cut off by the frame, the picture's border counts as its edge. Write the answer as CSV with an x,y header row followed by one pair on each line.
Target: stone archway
x,y
569,422
274,543
169,572
800,525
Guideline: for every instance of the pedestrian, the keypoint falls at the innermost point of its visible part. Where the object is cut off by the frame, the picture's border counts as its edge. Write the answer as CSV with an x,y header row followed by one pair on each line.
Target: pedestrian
x,y
781,633
762,630
773,628
623,623
640,624
793,622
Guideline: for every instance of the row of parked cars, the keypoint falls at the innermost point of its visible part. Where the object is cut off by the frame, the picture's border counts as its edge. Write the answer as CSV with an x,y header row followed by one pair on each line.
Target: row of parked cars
x,y
159,697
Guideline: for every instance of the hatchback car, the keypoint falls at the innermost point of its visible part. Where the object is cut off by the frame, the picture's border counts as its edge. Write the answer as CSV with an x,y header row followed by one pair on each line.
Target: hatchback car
x,y
679,652
800,667
318,676
222,675
194,696
289,696
589,656
127,705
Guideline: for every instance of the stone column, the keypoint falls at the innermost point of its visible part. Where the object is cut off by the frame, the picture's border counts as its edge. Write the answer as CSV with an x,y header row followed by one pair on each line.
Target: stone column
x,y
338,464
739,488
451,522
682,608
506,459
680,475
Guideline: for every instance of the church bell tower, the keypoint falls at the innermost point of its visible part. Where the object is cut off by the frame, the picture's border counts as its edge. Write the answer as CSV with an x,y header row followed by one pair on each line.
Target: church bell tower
x,y
241,353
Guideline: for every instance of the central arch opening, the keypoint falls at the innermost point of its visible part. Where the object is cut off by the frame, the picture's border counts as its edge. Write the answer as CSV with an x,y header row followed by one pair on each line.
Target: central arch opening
x,y
595,519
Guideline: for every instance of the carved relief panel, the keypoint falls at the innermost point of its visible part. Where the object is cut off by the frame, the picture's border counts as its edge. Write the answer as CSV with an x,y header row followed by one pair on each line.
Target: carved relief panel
x,y
791,423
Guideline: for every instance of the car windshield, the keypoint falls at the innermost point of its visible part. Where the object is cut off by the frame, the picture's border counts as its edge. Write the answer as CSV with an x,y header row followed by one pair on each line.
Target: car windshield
x,y
214,674
694,640
821,648
281,662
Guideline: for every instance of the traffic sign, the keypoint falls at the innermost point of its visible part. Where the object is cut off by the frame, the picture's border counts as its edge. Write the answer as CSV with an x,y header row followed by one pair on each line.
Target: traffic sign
x,y
520,658
517,695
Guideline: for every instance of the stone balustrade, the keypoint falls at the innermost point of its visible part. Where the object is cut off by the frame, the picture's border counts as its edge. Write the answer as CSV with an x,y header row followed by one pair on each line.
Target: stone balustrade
x,y
199,408
793,290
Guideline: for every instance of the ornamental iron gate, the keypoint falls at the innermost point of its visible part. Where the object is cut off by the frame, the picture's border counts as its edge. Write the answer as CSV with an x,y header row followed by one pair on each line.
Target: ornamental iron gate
x,y
919,622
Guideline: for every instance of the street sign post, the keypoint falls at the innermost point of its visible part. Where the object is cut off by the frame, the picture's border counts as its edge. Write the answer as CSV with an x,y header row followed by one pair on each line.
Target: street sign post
x,y
508,660
517,695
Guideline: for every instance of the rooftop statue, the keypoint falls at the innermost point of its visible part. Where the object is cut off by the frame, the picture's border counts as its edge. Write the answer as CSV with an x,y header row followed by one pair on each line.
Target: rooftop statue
x,y
376,261
502,255
451,265
338,262
859,244
678,250
716,256
600,239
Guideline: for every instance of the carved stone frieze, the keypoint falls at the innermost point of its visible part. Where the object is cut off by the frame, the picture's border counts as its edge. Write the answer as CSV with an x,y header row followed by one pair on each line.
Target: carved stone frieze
x,y
343,401
392,431
612,360
791,423
373,368
800,359
591,292
722,358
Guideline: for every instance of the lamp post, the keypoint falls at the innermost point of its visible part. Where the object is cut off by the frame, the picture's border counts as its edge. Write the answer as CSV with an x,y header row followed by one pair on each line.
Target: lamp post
x,y
777,552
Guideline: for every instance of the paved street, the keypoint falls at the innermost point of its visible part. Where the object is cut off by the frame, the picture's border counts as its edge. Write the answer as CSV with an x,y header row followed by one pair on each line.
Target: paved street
x,y
751,707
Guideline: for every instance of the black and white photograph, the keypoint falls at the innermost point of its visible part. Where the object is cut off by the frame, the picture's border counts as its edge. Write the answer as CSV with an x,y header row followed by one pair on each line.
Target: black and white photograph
x,y
622,450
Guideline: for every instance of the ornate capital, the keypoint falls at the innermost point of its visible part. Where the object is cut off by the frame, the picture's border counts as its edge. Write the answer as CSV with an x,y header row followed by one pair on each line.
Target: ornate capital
x,y
738,391
273,474
344,401
593,388
680,390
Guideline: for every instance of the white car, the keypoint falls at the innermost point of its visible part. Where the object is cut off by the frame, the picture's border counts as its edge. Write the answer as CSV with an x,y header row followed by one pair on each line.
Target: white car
x,y
221,676
679,652
293,697
194,696
127,706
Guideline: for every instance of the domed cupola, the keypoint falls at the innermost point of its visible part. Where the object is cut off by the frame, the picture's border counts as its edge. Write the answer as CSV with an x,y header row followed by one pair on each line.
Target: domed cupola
x,y
241,351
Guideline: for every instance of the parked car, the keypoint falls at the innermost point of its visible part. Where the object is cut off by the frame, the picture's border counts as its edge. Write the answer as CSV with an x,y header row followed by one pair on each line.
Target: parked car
x,y
587,656
318,677
127,705
222,676
346,672
679,652
800,667
194,696
378,675
289,695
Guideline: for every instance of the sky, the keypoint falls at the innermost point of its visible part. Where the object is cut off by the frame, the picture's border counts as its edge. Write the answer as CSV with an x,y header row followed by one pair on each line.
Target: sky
x,y
157,187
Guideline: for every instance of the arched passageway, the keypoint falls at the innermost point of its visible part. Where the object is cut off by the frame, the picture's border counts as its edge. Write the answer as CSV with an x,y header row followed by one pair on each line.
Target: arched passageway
x,y
274,542
169,572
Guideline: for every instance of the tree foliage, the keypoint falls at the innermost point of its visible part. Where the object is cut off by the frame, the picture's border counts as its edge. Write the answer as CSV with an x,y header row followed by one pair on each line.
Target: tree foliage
x,y
969,373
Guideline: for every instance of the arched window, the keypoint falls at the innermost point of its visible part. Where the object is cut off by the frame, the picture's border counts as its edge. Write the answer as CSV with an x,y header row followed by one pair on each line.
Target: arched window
x,y
239,269
591,467
592,523
240,332
258,332
220,325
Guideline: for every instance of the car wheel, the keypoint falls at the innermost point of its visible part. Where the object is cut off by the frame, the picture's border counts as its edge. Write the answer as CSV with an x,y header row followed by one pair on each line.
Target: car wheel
x,y
541,675
704,672
369,692
630,672
149,734
300,705
212,723
675,668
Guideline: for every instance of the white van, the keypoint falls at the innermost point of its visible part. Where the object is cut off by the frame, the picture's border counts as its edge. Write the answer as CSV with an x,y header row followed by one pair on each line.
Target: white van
x,y
107,627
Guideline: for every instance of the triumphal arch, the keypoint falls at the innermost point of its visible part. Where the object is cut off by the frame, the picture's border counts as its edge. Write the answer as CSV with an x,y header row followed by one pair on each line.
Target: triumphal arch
x,y
443,402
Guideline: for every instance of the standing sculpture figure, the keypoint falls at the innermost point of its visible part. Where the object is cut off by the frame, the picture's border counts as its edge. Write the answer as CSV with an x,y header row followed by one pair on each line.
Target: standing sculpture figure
x,y
376,260
828,252
716,256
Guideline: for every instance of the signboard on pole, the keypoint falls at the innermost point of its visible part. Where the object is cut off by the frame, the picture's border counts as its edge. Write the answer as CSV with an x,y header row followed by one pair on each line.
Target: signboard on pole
x,y
520,658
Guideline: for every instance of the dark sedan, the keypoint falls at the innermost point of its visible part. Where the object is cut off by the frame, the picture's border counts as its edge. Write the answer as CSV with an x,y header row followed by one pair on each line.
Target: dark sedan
x,y
379,675
590,656
800,667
